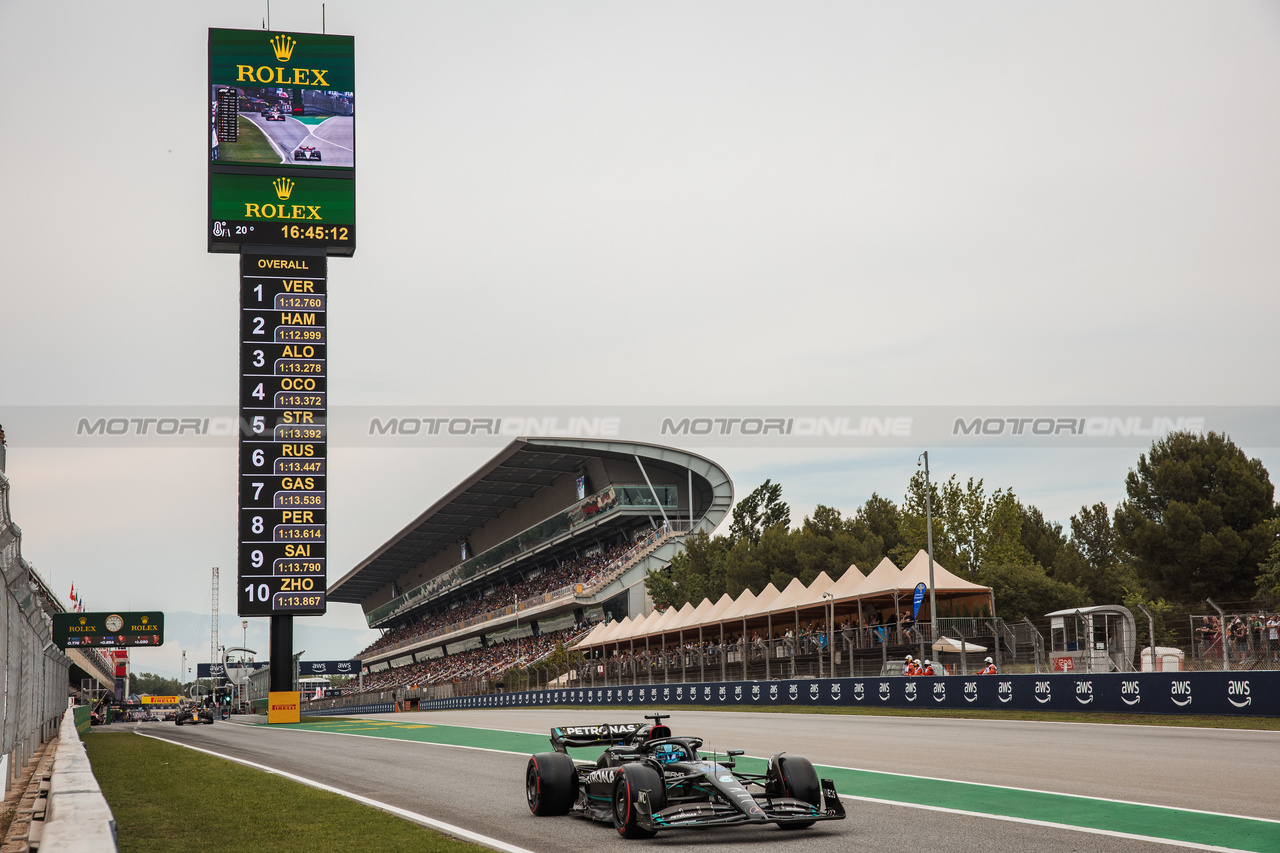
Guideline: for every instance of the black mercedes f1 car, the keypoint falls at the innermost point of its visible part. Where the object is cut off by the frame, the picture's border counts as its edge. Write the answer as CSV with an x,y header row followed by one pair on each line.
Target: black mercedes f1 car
x,y
647,780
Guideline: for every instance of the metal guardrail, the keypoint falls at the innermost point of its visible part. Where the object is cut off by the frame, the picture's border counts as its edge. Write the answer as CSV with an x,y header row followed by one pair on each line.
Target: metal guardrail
x,y
35,671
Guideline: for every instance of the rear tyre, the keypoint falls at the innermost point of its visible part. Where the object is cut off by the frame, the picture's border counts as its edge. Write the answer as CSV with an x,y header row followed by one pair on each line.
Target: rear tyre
x,y
550,784
630,780
800,781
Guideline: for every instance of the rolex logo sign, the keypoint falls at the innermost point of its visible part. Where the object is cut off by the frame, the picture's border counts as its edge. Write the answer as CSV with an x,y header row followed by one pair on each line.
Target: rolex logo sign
x,y
282,212
249,59
283,47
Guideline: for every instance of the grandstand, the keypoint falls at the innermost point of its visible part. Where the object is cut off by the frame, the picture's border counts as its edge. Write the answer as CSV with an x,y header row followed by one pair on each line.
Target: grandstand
x,y
548,538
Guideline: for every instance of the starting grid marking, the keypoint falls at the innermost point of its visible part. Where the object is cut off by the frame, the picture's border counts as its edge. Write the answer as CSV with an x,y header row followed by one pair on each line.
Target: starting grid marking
x,y
1141,821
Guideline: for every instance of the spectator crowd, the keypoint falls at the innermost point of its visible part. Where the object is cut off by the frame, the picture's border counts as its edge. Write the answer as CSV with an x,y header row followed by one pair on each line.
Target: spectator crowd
x,y
586,570
487,662
1246,635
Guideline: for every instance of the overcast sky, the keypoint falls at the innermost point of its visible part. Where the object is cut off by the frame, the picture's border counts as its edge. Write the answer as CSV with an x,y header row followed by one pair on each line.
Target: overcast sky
x,y
639,204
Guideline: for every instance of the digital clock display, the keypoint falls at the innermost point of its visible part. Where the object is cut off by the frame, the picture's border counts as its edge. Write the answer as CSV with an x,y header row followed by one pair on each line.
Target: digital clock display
x,y
283,388
273,209
108,630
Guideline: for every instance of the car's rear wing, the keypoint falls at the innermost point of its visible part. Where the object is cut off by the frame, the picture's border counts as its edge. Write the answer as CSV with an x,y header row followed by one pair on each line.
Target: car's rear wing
x,y
603,735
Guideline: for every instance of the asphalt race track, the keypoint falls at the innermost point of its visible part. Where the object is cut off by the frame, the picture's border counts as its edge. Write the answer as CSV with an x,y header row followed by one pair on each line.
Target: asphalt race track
x,y
1227,771
334,138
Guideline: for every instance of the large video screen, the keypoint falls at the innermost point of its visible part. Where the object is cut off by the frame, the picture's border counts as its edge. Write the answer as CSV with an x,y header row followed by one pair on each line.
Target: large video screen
x,y
281,105
282,99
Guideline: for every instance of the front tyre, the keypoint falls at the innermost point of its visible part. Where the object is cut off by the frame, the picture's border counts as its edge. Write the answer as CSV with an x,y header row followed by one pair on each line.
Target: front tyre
x,y
550,784
628,783
798,780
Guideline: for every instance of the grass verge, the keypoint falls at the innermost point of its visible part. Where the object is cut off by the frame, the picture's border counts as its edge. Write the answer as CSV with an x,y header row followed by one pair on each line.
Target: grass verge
x,y
251,146
168,798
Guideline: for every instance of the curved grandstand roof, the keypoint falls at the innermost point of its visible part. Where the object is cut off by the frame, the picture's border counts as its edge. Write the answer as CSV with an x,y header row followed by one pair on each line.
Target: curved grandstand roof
x,y
518,473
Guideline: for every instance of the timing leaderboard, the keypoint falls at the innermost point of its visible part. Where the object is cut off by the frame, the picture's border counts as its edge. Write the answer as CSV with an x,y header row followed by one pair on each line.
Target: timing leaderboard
x,y
281,562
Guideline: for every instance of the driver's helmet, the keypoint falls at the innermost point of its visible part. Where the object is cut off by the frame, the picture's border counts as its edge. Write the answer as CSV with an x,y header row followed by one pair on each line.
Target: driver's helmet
x,y
668,753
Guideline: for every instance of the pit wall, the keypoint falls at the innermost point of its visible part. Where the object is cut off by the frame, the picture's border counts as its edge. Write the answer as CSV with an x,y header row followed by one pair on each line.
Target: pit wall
x,y
1242,694
370,708
77,818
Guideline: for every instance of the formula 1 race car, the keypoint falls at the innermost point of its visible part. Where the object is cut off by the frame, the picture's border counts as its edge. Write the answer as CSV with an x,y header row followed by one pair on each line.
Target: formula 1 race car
x,y
647,780
306,152
274,116
194,716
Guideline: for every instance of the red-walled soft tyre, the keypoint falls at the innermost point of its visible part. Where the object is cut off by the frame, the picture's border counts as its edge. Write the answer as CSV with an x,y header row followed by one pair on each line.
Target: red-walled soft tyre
x,y
550,784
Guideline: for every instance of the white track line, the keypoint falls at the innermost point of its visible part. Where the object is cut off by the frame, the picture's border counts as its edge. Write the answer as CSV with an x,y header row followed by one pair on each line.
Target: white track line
x,y
456,831
1029,822
312,134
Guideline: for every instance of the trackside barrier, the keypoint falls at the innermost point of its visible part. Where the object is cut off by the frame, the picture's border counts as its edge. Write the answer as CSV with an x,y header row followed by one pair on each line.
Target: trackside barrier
x,y
375,708
1255,693
35,670
77,817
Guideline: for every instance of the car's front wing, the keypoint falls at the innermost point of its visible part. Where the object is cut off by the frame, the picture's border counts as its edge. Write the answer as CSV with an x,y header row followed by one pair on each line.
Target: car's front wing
x,y
779,810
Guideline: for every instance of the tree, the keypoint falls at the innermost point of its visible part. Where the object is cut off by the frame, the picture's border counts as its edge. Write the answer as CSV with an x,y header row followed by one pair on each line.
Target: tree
x,y
1160,610
1042,538
1023,589
1104,585
155,685
697,572
877,519
758,511
913,531
1197,521
1091,561
772,560
826,542
1001,542
967,513
1269,570
1094,537
1020,582
961,515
